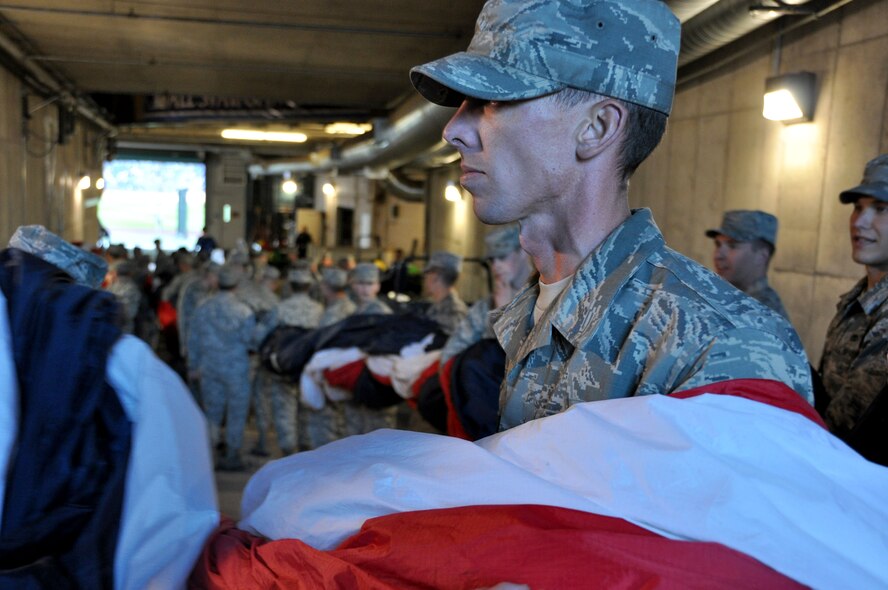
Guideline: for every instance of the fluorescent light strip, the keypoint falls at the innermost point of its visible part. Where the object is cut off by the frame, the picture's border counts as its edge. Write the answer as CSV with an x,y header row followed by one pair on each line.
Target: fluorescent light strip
x,y
251,135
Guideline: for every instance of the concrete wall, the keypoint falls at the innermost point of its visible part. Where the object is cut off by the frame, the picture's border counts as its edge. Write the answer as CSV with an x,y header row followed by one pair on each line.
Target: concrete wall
x,y
720,154
38,176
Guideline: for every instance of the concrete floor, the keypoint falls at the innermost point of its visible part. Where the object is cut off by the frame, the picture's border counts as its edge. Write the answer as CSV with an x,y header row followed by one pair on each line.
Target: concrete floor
x,y
230,484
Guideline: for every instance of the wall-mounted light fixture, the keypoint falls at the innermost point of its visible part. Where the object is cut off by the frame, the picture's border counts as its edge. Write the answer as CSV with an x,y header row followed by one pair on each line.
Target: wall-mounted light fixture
x,y
100,183
329,189
790,98
84,182
452,193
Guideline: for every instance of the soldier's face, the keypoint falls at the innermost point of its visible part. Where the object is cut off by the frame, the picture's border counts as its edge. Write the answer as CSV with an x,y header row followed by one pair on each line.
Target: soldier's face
x,y
869,233
735,262
365,291
511,269
516,156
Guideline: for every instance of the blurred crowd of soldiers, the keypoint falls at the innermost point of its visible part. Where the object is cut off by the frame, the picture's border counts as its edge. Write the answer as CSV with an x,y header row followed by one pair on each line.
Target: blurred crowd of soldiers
x,y
206,314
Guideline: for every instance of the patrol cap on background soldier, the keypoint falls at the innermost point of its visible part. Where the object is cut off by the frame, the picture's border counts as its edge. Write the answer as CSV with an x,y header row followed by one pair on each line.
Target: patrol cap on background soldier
x,y
446,264
744,245
230,275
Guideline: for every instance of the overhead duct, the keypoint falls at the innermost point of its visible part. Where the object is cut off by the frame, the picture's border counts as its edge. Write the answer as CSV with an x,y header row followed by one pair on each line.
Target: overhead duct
x,y
413,128
403,189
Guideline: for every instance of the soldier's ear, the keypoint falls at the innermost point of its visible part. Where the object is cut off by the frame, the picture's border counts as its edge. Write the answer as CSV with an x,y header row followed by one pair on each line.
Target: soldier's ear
x,y
601,129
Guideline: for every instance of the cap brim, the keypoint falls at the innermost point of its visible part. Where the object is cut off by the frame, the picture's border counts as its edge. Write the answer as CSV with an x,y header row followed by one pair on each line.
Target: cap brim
x,y
447,81
851,195
711,233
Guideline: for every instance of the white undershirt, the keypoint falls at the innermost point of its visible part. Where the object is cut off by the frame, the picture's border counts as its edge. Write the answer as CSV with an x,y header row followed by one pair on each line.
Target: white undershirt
x,y
548,294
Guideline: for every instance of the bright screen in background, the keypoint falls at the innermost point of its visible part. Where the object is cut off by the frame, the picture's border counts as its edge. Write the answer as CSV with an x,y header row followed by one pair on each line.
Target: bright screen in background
x,y
145,200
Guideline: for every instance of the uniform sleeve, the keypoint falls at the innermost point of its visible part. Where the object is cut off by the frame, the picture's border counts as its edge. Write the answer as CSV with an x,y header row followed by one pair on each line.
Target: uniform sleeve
x,y
748,353
469,331
196,337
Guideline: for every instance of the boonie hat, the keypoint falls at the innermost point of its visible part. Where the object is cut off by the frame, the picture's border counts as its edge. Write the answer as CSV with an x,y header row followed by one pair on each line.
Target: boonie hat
x,y
502,241
444,261
625,49
874,183
365,272
745,226
84,267
335,278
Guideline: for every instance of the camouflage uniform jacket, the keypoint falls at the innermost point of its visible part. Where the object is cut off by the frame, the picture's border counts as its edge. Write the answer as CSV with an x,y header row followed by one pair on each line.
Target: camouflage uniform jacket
x,y
299,310
222,332
375,306
190,296
763,293
128,295
337,311
448,312
256,296
637,319
474,327
853,366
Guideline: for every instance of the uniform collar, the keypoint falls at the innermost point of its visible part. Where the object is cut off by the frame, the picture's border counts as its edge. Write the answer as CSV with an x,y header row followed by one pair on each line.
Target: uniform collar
x,y
577,311
870,299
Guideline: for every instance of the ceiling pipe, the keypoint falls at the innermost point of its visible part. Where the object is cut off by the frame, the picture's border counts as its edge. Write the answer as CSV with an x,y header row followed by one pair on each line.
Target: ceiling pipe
x,y
403,189
44,82
413,128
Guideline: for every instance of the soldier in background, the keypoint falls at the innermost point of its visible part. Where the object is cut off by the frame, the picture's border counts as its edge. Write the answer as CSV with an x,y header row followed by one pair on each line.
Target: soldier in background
x,y
278,392
853,366
190,297
744,246
558,104
222,333
511,269
438,280
337,304
119,281
365,285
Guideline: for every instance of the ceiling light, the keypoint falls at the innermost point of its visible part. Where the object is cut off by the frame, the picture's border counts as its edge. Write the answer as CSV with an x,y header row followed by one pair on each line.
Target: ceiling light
x,y
255,135
790,98
328,189
451,193
100,183
342,128
84,182
289,186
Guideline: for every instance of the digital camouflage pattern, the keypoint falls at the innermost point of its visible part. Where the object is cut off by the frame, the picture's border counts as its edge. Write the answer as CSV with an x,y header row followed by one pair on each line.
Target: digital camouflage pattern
x,y
448,312
223,331
762,292
746,226
854,367
84,267
129,297
637,319
374,306
474,327
626,49
336,311
190,296
277,395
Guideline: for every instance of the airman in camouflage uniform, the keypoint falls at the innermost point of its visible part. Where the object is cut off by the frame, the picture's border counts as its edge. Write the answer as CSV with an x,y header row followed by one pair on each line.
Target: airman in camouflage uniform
x,y
511,269
328,423
854,367
559,102
364,281
191,295
438,280
223,331
124,288
744,246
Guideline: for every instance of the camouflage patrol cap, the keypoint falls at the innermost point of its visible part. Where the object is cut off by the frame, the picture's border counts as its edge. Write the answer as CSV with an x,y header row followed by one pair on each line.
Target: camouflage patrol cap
x,y
746,226
230,275
335,278
84,267
874,183
271,273
444,261
300,276
502,241
365,272
625,49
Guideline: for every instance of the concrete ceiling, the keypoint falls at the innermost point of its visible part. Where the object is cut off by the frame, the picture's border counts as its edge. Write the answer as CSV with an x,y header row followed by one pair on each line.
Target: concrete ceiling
x,y
301,63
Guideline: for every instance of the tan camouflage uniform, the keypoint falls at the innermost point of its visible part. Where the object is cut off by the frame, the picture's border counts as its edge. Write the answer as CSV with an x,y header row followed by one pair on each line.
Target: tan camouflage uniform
x,y
638,319
474,327
448,312
854,367
373,307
